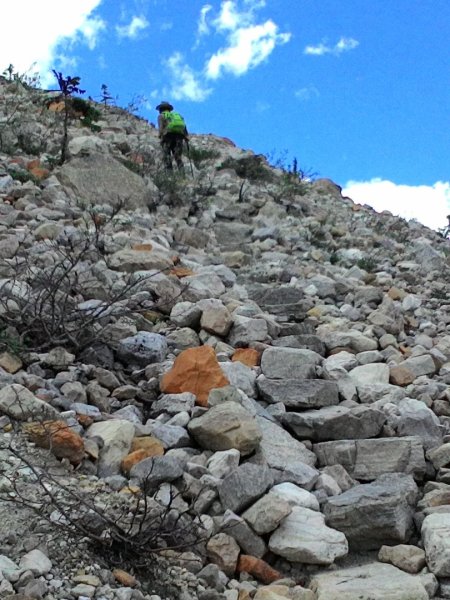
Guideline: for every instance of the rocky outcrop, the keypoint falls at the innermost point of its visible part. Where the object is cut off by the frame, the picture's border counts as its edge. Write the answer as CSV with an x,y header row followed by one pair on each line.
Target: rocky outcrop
x,y
257,357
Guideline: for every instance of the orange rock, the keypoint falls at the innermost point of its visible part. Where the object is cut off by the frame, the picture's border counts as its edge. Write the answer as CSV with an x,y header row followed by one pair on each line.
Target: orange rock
x,y
400,375
56,106
85,421
195,370
39,173
32,164
257,568
59,438
149,444
124,578
143,247
247,356
181,272
133,459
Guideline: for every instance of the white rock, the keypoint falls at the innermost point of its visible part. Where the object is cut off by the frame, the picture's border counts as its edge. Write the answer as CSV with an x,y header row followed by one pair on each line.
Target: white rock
x,y
303,537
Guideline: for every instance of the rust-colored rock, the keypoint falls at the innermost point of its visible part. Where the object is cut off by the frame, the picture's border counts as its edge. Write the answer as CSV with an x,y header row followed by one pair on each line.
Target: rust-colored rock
x,y
400,375
85,421
143,247
35,168
247,356
149,444
195,370
56,106
59,438
134,458
181,272
258,568
124,578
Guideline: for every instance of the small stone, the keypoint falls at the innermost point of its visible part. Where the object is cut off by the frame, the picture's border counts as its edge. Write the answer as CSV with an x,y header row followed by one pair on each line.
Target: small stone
x,y
124,578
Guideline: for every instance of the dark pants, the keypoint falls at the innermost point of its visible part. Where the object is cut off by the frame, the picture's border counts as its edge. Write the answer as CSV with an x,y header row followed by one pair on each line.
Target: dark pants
x,y
172,144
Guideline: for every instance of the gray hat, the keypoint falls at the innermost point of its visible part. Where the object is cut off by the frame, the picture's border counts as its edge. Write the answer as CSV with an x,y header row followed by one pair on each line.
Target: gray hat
x,y
164,106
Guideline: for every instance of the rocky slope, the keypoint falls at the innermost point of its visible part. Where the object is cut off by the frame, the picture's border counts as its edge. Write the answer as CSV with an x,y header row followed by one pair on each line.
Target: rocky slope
x,y
262,362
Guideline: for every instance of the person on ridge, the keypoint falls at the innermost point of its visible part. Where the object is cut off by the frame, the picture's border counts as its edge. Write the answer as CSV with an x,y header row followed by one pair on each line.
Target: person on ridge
x,y
172,132
445,231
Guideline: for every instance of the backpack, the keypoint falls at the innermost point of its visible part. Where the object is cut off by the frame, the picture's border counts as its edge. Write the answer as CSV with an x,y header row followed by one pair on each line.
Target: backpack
x,y
175,122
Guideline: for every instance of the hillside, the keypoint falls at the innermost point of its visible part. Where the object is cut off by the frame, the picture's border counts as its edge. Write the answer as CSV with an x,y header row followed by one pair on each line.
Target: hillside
x,y
230,385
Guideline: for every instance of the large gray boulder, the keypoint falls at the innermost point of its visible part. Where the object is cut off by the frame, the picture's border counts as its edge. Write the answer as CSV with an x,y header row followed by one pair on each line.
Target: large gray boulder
x,y
297,394
374,514
365,460
335,423
281,363
142,349
116,436
17,402
303,537
436,541
372,581
288,458
225,426
113,183
244,485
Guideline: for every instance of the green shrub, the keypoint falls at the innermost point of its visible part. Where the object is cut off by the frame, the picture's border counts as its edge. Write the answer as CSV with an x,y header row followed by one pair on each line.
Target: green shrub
x,y
253,168
90,114
200,155
23,176
367,264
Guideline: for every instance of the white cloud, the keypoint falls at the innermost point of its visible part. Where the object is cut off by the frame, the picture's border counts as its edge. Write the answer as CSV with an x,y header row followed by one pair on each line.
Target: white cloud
x,y
428,204
248,47
186,84
343,45
307,93
133,29
44,28
90,30
203,27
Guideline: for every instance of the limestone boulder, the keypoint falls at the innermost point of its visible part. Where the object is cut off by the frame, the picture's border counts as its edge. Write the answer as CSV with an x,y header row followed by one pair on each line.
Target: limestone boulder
x,y
304,537
296,394
335,423
142,349
266,513
436,541
374,514
243,486
117,436
17,402
225,426
281,363
365,460
114,184
372,581
240,530
405,557
246,330
289,458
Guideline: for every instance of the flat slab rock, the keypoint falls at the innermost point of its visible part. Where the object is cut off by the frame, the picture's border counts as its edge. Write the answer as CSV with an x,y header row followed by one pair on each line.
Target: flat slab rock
x,y
366,460
374,581
374,514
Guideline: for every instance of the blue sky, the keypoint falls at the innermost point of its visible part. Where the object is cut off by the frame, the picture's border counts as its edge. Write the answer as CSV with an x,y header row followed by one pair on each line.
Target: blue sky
x,y
357,90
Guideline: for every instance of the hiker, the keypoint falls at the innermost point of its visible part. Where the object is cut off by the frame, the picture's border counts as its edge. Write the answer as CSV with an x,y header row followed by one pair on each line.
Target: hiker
x,y
445,232
172,133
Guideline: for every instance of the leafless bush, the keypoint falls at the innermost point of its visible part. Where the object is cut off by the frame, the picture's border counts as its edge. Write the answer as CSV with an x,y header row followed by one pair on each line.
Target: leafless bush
x,y
61,296
131,526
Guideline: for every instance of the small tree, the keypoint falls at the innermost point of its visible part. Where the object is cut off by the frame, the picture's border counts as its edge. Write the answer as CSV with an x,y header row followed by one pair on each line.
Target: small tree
x,y
106,96
67,86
